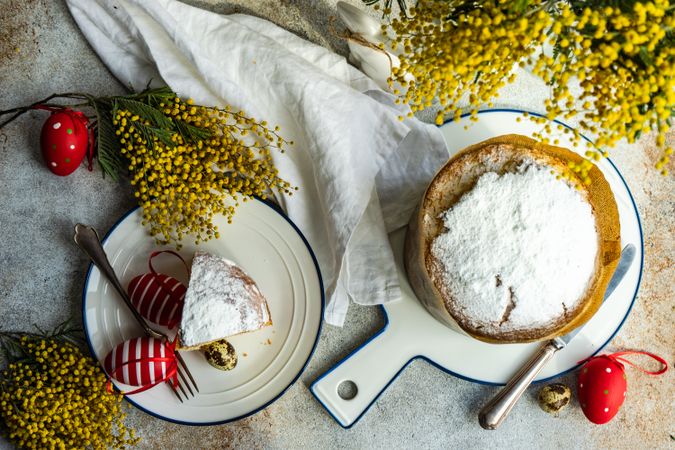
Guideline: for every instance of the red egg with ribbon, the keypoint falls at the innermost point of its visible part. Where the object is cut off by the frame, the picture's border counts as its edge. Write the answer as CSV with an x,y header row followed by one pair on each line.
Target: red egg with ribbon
x,y
602,385
143,361
601,389
158,297
64,140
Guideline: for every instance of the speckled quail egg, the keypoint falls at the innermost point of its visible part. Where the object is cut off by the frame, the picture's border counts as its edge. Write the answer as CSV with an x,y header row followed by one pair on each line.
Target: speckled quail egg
x,y
220,355
554,398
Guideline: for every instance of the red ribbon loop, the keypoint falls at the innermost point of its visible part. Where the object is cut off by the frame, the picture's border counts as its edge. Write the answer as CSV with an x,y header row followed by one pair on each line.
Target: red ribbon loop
x,y
162,284
90,149
618,357
171,252
50,108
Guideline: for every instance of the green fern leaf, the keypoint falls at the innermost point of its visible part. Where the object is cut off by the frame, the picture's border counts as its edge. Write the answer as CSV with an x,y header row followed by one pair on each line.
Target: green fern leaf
x,y
191,133
149,132
154,97
107,146
143,110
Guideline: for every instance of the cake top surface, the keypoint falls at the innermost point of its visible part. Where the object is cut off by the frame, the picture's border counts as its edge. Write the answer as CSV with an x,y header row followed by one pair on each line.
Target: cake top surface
x,y
221,301
518,250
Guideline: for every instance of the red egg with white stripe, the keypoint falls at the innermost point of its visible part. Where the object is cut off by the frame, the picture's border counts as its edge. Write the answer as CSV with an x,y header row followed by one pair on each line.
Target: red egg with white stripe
x,y
143,361
158,298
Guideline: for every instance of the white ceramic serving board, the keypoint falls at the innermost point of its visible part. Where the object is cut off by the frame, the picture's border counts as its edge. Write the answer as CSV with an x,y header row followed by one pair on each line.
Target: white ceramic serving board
x,y
411,332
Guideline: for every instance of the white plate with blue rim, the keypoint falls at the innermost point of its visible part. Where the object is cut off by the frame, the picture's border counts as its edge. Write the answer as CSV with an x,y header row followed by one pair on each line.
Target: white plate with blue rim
x,y
410,332
273,251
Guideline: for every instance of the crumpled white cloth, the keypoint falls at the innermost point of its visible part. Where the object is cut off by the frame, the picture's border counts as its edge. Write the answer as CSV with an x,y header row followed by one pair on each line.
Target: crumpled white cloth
x,y
360,170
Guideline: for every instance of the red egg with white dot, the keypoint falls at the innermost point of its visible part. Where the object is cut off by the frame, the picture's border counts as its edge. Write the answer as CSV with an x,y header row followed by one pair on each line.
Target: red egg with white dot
x,y
64,141
601,388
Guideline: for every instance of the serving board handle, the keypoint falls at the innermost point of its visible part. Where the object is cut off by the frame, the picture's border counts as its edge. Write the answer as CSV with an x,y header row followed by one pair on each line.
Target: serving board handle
x,y
371,368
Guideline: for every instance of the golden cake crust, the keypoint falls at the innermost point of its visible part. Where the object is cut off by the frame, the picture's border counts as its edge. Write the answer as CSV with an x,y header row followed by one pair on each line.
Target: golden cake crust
x,y
505,154
246,296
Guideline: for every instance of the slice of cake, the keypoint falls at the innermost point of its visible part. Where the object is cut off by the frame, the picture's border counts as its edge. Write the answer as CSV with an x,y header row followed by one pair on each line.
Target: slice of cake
x,y
221,301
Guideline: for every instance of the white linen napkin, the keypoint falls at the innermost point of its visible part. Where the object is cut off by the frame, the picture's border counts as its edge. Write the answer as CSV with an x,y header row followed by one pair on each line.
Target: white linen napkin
x,y
360,170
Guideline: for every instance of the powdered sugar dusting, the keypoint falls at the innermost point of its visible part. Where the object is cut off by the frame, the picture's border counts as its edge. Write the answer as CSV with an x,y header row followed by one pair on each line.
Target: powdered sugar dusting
x,y
221,301
519,251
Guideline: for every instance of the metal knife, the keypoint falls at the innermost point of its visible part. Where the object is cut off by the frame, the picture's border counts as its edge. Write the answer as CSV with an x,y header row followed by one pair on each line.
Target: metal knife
x,y
496,410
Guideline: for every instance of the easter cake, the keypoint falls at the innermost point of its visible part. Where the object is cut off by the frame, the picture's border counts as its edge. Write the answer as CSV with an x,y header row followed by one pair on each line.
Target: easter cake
x,y
221,301
504,249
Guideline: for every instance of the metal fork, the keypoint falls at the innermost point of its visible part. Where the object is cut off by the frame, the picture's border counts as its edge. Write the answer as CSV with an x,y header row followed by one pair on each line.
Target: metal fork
x,y
87,239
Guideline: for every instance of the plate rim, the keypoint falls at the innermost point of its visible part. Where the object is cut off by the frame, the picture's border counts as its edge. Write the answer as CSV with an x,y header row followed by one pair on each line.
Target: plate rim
x,y
464,377
276,209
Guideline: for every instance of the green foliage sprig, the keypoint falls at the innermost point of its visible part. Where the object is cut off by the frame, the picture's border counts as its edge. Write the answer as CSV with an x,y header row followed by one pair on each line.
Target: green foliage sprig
x,y
11,350
190,162
52,395
187,162
609,64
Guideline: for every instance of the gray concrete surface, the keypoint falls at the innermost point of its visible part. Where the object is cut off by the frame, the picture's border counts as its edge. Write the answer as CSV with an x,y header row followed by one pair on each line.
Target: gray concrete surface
x,y
42,273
